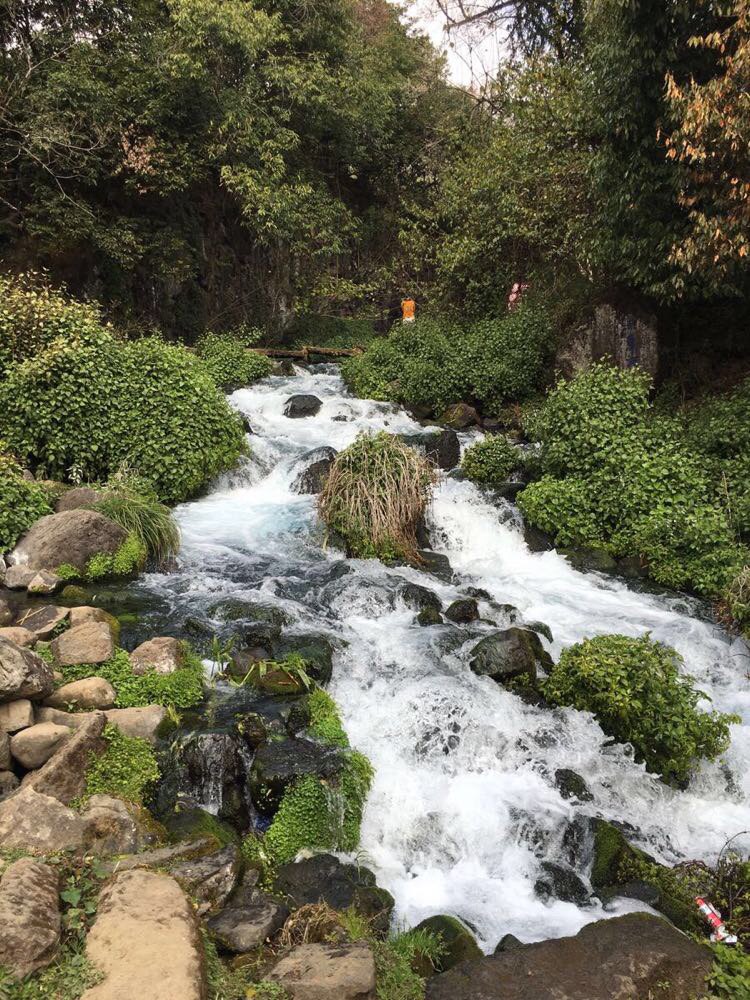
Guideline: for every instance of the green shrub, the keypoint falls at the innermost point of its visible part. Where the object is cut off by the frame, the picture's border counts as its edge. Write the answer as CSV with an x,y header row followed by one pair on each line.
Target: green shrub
x,y
21,503
229,362
314,330
131,502
375,496
129,559
635,690
721,426
181,689
126,770
564,509
729,978
491,461
84,406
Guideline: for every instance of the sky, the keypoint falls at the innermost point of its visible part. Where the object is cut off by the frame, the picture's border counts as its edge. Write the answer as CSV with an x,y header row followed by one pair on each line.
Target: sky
x,y
470,61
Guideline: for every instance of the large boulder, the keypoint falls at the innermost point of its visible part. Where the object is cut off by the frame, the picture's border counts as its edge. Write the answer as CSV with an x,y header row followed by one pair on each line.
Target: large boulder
x,y
39,823
327,972
459,943
23,674
278,764
163,655
313,477
71,538
441,446
64,775
91,642
88,693
29,917
34,746
626,958
146,941
325,879
302,405
512,652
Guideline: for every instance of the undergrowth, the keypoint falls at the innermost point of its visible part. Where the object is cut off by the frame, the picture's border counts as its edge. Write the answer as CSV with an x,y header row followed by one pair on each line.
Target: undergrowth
x,y
127,769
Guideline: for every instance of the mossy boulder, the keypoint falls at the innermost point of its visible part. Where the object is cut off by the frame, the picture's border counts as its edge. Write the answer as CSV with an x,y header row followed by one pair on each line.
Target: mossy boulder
x,y
188,821
459,943
315,649
277,765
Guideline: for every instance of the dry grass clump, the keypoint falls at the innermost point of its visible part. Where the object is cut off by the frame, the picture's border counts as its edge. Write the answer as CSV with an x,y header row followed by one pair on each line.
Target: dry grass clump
x,y
375,495
315,923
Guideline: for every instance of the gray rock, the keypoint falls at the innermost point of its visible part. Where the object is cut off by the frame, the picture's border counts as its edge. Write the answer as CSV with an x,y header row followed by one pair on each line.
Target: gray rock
x,y
72,537
212,878
462,611
5,761
29,917
21,636
44,582
77,498
327,972
34,746
242,928
64,775
512,652
302,405
142,722
418,597
163,655
277,765
19,577
160,857
626,958
15,715
91,692
112,826
558,882
39,823
23,674
91,642
312,478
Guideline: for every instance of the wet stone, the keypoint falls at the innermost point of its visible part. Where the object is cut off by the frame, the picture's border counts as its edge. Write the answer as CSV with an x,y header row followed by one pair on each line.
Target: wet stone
x,y
277,765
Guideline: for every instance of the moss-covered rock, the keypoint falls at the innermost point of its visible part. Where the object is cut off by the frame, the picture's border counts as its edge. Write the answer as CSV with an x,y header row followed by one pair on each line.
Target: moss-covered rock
x,y
459,943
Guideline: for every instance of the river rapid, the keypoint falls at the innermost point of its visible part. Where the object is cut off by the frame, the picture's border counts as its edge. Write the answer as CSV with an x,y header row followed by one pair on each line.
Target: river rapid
x,y
464,806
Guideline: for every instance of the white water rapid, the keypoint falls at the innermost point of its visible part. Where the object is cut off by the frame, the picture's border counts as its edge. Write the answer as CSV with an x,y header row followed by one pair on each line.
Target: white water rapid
x,y
464,805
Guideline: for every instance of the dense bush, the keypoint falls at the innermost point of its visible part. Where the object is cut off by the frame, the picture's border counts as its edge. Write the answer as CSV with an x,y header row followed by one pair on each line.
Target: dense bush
x,y
375,495
314,330
491,461
229,362
635,690
433,363
21,503
562,508
83,408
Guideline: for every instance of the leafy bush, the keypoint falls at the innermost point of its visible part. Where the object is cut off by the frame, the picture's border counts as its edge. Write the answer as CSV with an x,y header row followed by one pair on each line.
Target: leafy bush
x,y
375,495
131,502
491,461
127,769
229,362
97,403
21,503
564,509
314,330
634,688
181,689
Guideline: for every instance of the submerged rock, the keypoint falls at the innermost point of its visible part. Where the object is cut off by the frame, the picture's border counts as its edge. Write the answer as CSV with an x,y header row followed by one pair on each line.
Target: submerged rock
x,y
429,616
626,958
302,405
571,785
418,597
459,943
463,611
558,882
29,917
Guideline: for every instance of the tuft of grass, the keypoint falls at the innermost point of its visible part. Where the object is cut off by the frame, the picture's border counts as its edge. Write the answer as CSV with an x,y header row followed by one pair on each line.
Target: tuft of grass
x,y
375,495
132,503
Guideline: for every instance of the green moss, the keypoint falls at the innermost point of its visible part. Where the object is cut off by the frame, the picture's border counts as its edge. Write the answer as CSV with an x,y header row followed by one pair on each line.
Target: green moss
x,y
194,823
610,851
181,689
229,362
126,770
73,595
130,558
67,572
325,722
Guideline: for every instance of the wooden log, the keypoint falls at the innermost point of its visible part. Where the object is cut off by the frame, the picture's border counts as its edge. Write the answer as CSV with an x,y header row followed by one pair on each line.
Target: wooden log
x,y
303,353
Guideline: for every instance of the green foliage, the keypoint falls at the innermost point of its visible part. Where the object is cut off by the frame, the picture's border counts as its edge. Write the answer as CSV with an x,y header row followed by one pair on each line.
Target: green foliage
x,y
397,958
729,978
325,722
229,362
88,405
312,330
491,461
434,363
21,502
287,676
375,495
129,559
181,689
67,978
634,688
564,509
126,770
737,597
131,502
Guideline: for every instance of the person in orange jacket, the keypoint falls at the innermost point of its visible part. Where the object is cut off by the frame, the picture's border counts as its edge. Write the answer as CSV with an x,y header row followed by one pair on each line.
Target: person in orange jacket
x,y
408,309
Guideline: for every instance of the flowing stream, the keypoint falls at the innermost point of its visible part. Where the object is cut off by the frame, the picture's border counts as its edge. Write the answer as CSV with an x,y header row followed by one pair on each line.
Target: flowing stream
x,y
464,806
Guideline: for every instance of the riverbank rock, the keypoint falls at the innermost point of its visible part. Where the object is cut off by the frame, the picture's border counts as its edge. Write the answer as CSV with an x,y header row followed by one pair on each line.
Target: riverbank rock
x,y
626,958
505,655
146,941
29,917
116,827
44,621
442,447
459,416
163,655
23,674
459,943
64,775
19,635
91,642
34,746
15,715
325,879
77,498
210,879
39,823
44,582
302,405
278,764
312,479
91,692
143,722
70,538
18,577
327,972
248,920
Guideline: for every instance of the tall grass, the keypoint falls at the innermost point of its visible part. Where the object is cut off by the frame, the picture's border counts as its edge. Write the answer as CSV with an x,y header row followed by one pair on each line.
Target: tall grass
x,y
375,495
131,502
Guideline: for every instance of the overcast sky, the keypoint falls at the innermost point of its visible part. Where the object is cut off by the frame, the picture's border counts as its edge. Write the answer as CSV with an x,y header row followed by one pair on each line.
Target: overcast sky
x,y
469,61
